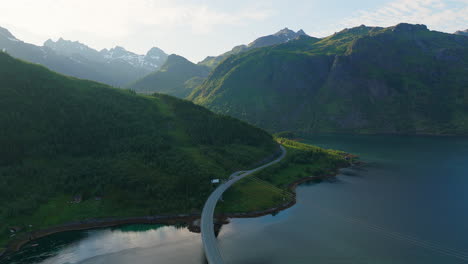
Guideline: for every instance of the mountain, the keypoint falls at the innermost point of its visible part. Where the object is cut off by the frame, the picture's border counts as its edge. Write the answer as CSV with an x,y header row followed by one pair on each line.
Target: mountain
x,y
118,153
72,48
177,77
149,62
462,32
116,67
129,65
118,58
279,37
401,79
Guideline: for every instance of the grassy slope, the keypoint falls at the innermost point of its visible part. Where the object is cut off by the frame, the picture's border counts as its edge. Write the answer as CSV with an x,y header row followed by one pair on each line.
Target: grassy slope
x,y
143,155
402,79
177,77
269,188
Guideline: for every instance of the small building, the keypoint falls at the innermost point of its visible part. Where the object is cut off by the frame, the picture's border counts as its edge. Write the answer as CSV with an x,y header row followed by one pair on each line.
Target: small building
x,y
215,181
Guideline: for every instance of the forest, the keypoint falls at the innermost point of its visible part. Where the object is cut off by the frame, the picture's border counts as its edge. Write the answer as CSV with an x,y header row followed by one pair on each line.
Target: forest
x,y
75,149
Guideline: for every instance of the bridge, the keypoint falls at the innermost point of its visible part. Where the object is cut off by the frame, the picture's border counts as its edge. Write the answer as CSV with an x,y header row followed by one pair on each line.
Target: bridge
x,y
210,244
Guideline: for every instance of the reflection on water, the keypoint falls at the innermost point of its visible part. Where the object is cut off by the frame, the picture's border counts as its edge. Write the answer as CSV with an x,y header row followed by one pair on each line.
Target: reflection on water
x,y
126,244
408,205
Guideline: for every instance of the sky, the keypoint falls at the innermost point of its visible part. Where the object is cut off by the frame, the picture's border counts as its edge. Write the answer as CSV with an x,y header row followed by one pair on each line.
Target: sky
x,y
199,28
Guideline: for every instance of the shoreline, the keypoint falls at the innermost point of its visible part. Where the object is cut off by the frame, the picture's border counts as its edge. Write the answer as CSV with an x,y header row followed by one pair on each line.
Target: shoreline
x,y
188,219
88,224
292,188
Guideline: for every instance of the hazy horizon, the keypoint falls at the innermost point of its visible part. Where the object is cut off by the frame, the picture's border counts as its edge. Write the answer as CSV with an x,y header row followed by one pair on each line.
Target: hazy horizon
x,y
196,29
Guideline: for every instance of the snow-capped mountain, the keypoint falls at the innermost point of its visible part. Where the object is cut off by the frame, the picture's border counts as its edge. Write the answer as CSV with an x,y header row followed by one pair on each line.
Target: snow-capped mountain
x,y
149,62
116,66
72,48
154,59
156,56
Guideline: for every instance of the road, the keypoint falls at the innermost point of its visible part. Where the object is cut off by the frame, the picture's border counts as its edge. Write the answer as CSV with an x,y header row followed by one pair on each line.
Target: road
x,y
209,240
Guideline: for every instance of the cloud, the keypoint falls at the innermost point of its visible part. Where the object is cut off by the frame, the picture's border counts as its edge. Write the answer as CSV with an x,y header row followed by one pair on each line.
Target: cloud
x,y
173,25
443,15
114,18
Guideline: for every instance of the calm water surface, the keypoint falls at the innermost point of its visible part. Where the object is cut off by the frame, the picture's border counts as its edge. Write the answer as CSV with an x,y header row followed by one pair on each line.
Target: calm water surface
x,y
408,205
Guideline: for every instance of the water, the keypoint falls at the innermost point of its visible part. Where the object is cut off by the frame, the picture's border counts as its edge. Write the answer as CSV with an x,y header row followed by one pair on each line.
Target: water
x,y
127,244
408,205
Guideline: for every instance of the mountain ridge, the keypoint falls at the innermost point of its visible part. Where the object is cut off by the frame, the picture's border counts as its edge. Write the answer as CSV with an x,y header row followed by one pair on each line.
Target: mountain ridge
x,y
150,62
79,60
282,36
177,77
359,80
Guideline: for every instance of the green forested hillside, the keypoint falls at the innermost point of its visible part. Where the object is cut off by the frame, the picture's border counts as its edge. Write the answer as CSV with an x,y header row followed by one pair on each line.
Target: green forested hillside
x,y
124,154
401,79
177,77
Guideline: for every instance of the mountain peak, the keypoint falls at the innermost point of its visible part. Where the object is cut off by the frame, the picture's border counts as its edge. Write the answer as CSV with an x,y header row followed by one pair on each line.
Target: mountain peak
x,y
48,42
119,48
155,57
282,36
176,61
284,31
289,33
6,33
62,41
360,30
174,58
155,51
177,77
462,32
116,66
119,52
405,27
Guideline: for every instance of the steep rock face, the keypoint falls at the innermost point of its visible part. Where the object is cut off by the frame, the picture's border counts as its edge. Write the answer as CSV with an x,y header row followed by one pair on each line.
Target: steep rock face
x,y
398,82
401,79
177,77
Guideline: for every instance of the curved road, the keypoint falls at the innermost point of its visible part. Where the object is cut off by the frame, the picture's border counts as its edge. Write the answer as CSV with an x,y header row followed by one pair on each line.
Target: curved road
x,y
210,243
